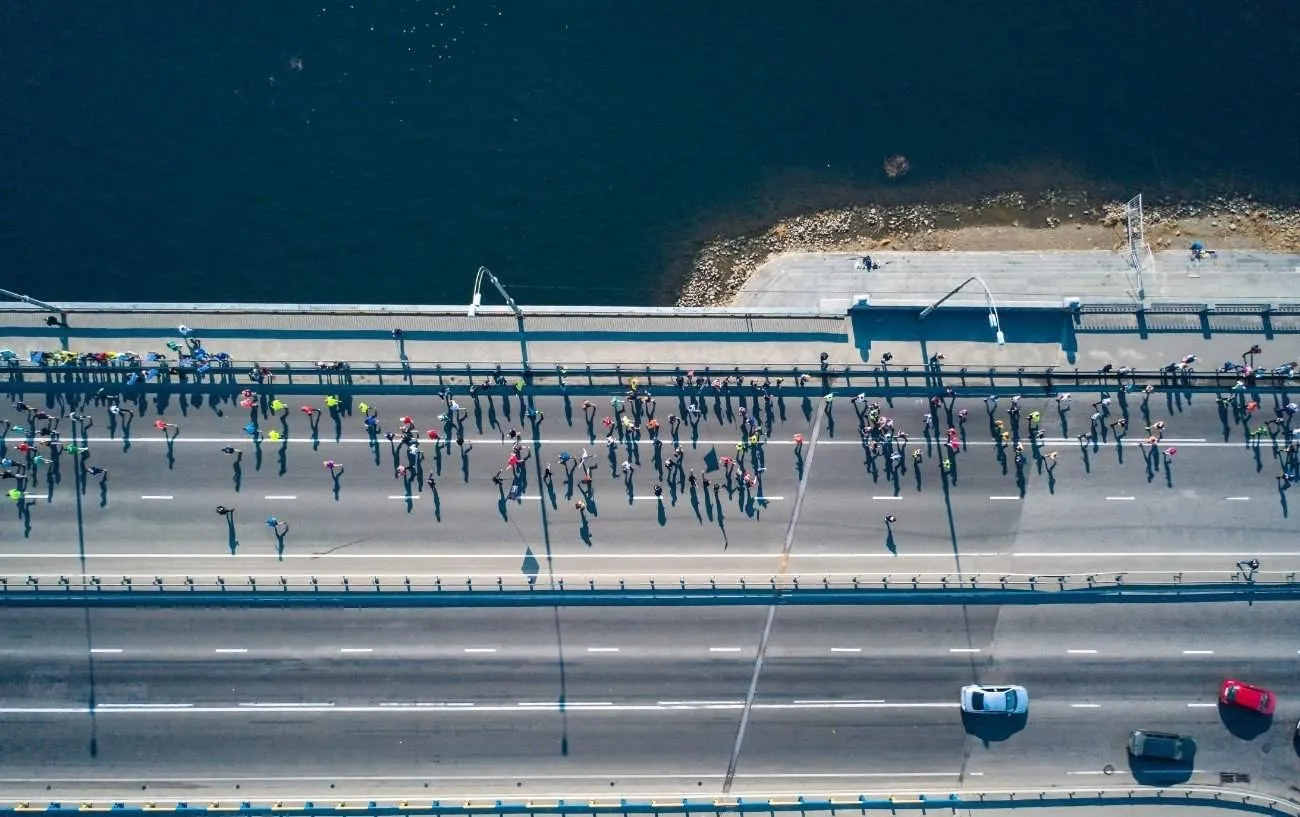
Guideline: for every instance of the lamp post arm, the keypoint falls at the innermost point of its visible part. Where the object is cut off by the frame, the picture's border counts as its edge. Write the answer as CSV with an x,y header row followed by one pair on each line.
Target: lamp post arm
x,y
925,313
478,286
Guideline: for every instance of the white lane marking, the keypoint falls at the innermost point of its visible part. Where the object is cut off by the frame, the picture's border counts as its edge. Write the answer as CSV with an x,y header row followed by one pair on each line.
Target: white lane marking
x,y
846,649
279,496
1200,442
480,649
1120,498
963,649
833,702
230,650
156,496
885,498
1236,498
514,557
1085,706
724,649
1004,498
404,496
105,650
244,708
1201,706
355,649
1198,652
693,704
602,649
1080,652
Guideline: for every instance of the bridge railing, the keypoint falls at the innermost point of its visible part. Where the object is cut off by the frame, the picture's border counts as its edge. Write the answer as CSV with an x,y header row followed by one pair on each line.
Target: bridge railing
x,y
288,377
696,589
940,802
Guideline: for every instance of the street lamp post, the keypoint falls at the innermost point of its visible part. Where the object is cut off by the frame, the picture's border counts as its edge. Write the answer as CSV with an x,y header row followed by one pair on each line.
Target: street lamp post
x,y
994,323
63,316
477,300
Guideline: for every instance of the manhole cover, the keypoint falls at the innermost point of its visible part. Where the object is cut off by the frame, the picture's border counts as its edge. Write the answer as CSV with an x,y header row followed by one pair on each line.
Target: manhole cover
x,y
1108,769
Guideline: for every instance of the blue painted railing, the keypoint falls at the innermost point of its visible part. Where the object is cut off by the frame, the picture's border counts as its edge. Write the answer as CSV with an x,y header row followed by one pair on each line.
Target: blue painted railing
x,y
923,803
1042,592
379,377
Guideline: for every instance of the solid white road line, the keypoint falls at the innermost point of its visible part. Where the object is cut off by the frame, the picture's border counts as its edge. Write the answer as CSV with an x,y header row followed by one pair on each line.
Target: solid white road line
x,y
963,649
1120,498
846,649
1004,498
480,649
156,496
355,649
885,498
279,497
1237,498
1201,706
105,650
404,496
1198,652
1080,652
1085,706
602,649
230,650
724,649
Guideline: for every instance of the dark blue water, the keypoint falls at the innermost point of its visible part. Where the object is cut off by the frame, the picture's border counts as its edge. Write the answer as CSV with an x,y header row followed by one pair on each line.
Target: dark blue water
x,y
380,151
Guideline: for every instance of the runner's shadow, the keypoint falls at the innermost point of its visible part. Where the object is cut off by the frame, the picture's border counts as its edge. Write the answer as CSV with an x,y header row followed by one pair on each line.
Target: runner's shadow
x,y
232,541
1281,497
663,513
103,491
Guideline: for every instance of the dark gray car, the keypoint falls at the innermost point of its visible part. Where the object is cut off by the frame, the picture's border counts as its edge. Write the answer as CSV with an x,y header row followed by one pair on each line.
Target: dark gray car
x,y
1147,743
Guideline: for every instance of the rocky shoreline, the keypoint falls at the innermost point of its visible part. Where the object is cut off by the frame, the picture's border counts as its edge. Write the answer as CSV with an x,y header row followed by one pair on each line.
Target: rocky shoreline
x,y
1052,220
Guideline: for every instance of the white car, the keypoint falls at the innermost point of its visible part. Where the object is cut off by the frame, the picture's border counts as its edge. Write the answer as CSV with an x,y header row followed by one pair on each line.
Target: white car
x,y
994,700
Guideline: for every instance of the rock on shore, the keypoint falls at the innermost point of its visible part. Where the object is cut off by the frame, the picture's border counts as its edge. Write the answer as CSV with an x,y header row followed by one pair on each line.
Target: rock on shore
x,y
1051,221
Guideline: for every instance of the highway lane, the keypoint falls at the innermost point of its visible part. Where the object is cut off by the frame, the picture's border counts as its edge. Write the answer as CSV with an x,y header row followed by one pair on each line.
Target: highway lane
x,y
855,698
1215,503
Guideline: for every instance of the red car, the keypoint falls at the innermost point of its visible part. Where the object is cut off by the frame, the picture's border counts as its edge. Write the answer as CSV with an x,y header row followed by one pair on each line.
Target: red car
x,y
1256,699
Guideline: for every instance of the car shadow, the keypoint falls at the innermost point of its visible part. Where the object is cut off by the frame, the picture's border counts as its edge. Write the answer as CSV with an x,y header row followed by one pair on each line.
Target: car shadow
x,y
1152,772
993,728
1243,723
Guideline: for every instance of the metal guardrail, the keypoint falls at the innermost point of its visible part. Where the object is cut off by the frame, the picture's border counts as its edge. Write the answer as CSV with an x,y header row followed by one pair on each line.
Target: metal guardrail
x,y
923,802
519,591
290,377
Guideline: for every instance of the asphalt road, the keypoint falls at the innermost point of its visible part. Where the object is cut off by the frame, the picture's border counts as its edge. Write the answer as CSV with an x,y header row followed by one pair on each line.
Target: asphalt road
x,y
522,703
1105,507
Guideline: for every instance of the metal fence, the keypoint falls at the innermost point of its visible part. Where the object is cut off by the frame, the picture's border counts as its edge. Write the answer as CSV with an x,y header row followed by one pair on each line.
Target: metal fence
x,y
290,377
540,590
919,802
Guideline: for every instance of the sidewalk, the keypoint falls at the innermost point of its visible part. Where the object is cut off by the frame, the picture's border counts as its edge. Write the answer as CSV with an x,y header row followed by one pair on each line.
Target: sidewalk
x,y
795,308
833,280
